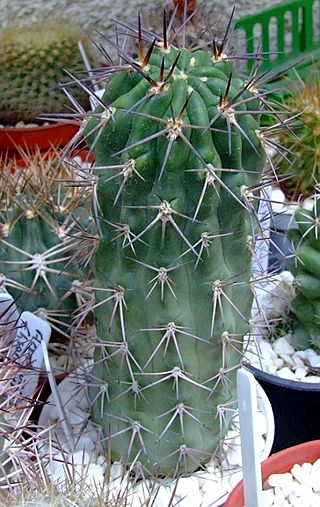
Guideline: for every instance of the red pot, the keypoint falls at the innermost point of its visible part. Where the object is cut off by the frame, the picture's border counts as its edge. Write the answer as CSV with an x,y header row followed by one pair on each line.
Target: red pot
x,y
13,139
279,463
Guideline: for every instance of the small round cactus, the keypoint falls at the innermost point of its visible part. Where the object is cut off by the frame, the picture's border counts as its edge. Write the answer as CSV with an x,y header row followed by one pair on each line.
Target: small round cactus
x,y
32,63
43,213
299,164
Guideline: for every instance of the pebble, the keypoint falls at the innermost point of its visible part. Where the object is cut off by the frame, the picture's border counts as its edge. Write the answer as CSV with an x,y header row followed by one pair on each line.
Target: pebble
x,y
301,354
314,361
188,492
279,497
211,485
278,362
270,367
260,441
286,373
213,499
297,358
21,124
234,455
141,494
301,373
162,497
288,361
315,476
233,479
81,458
280,357
284,481
121,488
262,423
94,477
298,488
302,474
86,443
266,351
117,471
282,346
267,497
310,354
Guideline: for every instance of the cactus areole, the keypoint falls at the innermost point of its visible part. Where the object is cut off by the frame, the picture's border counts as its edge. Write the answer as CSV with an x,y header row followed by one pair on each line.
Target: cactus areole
x,y
177,153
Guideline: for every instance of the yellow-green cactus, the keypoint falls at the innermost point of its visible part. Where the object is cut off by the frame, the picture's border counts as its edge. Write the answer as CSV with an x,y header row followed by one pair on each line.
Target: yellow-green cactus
x,y
32,63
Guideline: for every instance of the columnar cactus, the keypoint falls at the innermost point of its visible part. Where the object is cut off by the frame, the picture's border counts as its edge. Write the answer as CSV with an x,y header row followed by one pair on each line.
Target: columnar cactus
x,y
305,307
179,157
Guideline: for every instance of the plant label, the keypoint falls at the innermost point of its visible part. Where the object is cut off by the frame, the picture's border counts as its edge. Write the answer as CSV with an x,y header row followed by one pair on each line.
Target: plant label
x,y
26,351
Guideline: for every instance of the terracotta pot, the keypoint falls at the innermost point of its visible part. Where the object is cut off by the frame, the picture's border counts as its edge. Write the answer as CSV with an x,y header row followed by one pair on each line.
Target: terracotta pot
x,y
13,139
279,463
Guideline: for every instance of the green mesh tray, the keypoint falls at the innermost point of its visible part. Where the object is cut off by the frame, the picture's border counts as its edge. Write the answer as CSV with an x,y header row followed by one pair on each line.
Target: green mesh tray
x,y
287,35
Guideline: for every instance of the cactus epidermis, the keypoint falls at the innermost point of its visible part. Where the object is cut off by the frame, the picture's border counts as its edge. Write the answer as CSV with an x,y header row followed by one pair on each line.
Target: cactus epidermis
x,y
32,60
178,156
42,211
305,306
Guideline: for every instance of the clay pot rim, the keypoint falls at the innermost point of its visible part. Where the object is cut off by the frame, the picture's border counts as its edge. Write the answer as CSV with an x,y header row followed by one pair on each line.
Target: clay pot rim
x,y
12,139
56,124
280,462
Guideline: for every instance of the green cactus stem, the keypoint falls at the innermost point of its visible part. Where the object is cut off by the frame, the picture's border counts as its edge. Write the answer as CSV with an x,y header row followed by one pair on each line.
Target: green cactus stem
x,y
178,155
305,307
43,212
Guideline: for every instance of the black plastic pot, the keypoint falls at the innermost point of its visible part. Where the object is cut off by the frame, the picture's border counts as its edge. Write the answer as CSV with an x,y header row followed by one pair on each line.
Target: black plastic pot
x,y
280,245
296,409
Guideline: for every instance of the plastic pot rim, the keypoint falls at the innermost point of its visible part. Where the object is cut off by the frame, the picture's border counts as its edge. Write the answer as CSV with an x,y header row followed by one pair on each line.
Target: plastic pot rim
x,y
296,385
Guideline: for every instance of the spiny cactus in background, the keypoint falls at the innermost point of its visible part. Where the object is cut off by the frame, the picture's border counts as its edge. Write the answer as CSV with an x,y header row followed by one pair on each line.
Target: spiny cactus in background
x,y
43,213
179,155
197,23
26,469
15,407
305,307
301,163
32,63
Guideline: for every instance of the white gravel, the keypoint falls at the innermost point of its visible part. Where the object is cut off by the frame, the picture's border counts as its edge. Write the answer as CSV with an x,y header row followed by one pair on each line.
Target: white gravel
x,y
279,357
299,488
208,488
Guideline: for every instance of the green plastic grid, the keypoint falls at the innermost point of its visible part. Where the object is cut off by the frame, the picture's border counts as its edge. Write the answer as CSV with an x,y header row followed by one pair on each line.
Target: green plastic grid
x,y
290,35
